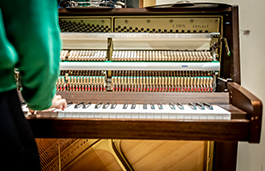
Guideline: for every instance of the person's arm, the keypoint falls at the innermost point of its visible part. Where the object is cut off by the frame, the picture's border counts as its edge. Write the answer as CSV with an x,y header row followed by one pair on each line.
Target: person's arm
x,y
32,28
57,102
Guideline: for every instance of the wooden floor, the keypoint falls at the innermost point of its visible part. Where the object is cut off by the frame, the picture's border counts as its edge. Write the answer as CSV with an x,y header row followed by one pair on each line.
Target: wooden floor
x,y
82,154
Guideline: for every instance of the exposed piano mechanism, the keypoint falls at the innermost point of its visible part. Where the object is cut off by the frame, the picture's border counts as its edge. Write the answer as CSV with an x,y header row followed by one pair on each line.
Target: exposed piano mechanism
x,y
175,62
153,73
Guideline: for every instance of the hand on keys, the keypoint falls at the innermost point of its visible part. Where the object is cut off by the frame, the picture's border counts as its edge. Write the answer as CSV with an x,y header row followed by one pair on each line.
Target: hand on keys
x,y
57,102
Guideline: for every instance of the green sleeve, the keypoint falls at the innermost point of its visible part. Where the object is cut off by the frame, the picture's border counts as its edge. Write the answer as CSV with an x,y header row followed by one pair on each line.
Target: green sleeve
x,y
32,28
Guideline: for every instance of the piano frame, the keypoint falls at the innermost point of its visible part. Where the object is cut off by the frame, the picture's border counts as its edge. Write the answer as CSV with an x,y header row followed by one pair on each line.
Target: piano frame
x,y
246,109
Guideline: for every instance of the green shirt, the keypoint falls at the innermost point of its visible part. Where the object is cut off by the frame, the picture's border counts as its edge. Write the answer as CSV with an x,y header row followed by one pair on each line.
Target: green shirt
x,y
30,41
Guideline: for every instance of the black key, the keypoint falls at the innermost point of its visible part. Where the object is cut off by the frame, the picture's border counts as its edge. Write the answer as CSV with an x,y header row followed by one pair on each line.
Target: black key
x,y
105,106
79,105
113,106
172,106
201,106
86,105
192,106
125,105
180,106
98,105
209,106
69,104
133,106
145,106
152,106
160,106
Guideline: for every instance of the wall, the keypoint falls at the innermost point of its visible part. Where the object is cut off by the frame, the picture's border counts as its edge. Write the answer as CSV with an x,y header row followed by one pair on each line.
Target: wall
x,y
251,157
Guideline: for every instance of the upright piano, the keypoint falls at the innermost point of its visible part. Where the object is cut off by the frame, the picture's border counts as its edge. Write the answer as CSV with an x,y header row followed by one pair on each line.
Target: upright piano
x,y
159,73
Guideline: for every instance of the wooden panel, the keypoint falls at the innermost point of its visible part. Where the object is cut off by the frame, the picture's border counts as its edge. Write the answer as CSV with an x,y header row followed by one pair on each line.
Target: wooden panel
x,y
142,97
234,130
225,155
147,3
165,155
235,46
243,99
141,3
235,112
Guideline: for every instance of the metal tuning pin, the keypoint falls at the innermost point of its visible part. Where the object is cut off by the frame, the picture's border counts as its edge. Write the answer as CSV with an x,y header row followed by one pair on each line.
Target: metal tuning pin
x,y
125,105
97,106
172,106
180,106
152,106
105,106
86,105
145,106
201,106
160,106
209,106
192,106
133,106
79,105
113,106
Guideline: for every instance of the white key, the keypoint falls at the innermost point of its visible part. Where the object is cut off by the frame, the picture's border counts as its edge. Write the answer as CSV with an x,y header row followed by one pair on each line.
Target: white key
x,y
119,111
97,111
90,111
75,113
68,111
105,111
158,112
127,114
135,112
165,112
141,112
149,112
221,113
113,112
172,114
61,113
83,112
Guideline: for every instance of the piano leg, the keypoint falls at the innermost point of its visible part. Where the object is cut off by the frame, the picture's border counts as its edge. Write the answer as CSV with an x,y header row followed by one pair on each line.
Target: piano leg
x,y
225,156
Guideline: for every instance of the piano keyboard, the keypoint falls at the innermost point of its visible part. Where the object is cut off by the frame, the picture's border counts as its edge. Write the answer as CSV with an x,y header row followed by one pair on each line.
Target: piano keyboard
x,y
191,111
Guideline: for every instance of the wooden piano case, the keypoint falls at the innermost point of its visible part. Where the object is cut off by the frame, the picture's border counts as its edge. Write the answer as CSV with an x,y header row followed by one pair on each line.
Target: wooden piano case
x,y
245,108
